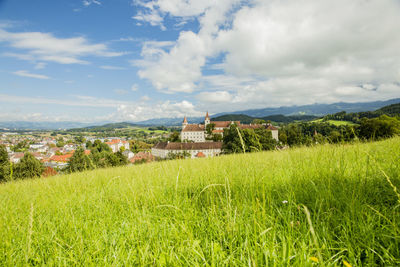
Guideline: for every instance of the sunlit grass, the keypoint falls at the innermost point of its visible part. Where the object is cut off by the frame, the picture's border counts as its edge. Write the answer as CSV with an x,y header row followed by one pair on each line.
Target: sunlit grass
x,y
329,204
336,123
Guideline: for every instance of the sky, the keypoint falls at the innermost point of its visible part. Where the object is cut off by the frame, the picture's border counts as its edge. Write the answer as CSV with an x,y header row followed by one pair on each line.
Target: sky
x,y
133,60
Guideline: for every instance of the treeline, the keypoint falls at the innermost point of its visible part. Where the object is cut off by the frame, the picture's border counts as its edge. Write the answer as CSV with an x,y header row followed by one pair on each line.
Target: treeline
x,y
275,118
356,117
308,133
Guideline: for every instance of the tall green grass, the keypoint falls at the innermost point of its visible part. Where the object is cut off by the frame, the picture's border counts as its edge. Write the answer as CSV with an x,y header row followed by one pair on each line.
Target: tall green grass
x,y
331,202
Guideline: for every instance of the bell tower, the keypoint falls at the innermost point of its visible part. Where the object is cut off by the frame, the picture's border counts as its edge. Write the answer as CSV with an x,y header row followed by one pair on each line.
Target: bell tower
x,y
184,123
207,120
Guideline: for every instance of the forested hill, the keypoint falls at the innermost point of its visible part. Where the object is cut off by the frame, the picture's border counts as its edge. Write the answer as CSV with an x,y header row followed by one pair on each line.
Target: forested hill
x,y
274,118
390,110
393,110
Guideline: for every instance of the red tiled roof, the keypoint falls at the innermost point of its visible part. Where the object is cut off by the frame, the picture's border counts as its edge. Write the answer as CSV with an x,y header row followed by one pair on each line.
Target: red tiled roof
x,y
218,131
272,128
66,157
222,123
193,128
200,155
61,158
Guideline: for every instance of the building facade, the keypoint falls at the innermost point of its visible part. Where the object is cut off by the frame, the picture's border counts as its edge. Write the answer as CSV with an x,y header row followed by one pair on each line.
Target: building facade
x,y
196,150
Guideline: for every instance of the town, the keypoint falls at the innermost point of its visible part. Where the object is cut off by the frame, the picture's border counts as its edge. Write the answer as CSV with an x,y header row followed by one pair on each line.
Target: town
x,y
54,150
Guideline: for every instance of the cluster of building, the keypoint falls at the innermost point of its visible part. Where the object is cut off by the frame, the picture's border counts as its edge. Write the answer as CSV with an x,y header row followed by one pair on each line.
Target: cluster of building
x,y
46,150
194,141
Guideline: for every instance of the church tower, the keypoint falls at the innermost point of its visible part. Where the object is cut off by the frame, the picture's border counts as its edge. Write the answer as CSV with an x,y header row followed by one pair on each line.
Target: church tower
x,y
207,120
184,123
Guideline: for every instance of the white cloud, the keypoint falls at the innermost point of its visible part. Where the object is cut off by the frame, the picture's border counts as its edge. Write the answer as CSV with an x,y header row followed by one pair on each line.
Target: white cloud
x,y
90,2
144,111
215,97
40,65
278,52
124,110
25,73
106,67
38,46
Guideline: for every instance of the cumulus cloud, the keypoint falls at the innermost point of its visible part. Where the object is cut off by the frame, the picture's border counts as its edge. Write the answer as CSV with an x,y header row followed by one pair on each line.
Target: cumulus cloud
x,y
215,97
38,46
278,52
145,111
25,73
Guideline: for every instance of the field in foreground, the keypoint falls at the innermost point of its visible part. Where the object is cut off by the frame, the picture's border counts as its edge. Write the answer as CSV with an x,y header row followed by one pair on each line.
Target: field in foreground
x,y
252,209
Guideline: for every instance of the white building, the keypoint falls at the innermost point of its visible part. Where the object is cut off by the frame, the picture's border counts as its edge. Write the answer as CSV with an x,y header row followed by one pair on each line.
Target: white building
x,y
192,132
116,144
196,150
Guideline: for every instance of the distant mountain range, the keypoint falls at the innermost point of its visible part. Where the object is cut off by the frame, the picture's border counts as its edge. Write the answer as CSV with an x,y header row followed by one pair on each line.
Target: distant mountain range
x,y
318,110
280,114
31,125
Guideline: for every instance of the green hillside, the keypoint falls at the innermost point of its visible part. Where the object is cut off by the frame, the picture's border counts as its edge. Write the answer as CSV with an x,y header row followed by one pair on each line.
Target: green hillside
x,y
275,118
330,203
392,110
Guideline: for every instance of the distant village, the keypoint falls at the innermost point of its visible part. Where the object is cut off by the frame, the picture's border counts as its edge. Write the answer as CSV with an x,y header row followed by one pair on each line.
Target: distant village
x,y
195,142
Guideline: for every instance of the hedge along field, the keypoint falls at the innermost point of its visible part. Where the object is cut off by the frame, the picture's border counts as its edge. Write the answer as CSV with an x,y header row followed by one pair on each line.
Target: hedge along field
x,y
331,204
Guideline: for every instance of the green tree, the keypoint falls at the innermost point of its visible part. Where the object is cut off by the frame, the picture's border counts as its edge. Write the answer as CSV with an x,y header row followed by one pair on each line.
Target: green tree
x,y
100,146
381,127
232,142
79,139
122,159
60,142
335,136
4,164
265,139
79,162
174,137
251,140
210,128
258,121
28,167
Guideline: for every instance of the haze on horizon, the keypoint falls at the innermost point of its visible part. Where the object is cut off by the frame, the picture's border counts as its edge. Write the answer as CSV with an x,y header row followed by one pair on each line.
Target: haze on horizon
x,y
124,60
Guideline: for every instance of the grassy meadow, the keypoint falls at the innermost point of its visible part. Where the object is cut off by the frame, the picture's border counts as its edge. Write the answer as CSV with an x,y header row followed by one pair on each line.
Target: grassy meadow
x,y
336,123
328,205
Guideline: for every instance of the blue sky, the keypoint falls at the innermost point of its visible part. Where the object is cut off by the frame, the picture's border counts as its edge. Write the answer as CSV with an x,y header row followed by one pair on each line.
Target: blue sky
x,y
121,60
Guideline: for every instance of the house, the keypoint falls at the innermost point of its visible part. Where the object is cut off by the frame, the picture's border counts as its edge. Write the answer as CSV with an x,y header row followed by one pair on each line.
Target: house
x,y
199,149
116,144
192,132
